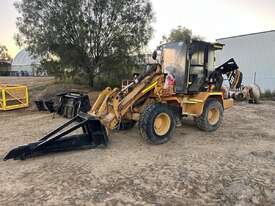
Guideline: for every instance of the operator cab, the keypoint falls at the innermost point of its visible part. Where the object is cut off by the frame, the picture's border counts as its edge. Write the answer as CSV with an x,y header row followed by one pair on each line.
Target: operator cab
x,y
190,63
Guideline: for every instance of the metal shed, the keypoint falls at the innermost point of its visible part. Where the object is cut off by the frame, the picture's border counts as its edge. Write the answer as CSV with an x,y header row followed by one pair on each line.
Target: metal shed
x,y
24,62
255,55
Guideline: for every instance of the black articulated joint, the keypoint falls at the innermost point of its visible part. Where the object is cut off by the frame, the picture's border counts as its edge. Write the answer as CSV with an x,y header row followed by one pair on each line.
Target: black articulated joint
x,y
126,125
94,135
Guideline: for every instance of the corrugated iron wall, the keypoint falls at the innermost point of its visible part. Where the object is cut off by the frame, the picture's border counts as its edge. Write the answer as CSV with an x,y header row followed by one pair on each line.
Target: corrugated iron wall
x,y
255,55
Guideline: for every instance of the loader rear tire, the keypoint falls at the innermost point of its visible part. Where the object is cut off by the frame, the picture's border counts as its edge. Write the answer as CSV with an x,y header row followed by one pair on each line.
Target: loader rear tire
x,y
212,116
157,124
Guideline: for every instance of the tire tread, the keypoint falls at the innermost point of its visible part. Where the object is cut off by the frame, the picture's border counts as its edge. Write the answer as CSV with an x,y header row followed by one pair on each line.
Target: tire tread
x,y
202,122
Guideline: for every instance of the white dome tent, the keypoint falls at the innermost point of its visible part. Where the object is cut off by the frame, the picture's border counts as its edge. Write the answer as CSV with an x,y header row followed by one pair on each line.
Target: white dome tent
x,y
24,64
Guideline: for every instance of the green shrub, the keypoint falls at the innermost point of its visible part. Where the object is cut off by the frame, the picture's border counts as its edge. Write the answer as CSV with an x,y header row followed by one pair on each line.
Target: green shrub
x,y
101,82
268,94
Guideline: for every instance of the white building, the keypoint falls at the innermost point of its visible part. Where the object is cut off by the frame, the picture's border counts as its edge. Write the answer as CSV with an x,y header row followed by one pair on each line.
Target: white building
x,y
24,63
255,55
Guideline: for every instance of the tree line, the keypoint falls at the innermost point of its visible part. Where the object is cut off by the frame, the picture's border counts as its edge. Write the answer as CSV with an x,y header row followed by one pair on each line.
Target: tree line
x,y
94,42
4,55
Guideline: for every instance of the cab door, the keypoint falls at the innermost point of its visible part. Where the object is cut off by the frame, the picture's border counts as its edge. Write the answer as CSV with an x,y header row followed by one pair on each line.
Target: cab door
x,y
174,62
198,57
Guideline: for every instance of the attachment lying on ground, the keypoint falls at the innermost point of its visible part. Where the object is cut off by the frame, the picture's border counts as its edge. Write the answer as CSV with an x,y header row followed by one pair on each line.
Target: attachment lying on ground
x,y
45,106
69,105
94,135
72,103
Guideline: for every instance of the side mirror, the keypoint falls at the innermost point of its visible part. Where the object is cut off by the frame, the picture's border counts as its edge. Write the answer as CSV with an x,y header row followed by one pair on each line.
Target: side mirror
x,y
155,55
135,75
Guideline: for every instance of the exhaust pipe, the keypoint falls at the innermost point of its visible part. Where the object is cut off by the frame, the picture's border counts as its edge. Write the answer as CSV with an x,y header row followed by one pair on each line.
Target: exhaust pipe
x,y
59,140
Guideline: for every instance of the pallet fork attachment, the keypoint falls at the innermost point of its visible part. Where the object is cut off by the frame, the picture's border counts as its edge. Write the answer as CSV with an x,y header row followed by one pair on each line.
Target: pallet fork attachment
x,y
94,135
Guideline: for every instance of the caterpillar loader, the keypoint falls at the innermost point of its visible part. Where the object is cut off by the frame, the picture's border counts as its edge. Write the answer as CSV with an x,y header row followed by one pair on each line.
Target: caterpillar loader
x,y
182,82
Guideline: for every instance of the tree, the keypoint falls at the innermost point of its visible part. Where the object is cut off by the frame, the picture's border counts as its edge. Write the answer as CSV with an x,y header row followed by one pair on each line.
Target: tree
x,y
84,34
180,34
4,55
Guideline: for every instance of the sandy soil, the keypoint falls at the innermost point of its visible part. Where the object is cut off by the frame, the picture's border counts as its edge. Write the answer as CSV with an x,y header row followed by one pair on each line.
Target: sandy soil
x,y
232,166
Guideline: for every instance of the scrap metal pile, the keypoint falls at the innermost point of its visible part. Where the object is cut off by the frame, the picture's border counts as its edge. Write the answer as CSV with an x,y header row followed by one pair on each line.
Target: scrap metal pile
x,y
250,93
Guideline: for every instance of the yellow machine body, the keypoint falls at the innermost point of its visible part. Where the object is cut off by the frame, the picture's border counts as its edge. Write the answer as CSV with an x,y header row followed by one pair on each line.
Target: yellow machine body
x,y
196,82
112,110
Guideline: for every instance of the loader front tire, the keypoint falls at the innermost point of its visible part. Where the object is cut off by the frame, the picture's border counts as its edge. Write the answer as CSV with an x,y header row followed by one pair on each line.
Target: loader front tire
x,y
157,124
212,116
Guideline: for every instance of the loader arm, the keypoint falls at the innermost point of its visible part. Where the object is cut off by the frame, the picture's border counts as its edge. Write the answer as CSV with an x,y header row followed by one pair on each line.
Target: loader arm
x,y
112,105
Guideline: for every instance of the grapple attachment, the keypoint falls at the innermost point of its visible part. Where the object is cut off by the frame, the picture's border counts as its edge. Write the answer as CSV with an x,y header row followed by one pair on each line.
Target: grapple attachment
x,y
94,135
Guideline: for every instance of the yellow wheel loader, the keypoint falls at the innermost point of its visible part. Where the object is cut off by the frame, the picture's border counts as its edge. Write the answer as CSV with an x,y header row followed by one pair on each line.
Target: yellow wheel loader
x,y
182,82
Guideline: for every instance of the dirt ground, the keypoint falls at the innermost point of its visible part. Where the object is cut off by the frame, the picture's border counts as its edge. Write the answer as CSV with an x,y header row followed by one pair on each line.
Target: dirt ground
x,y
232,166
28,81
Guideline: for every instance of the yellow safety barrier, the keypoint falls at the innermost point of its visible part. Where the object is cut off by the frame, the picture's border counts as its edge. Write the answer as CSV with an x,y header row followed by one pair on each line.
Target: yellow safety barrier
x,y
13,97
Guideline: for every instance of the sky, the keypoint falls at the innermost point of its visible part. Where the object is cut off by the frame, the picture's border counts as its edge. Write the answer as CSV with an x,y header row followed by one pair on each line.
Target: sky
x,y
211,19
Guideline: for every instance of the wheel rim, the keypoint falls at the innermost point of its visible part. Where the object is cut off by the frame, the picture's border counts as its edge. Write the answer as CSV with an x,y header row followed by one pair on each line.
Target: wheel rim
x,y
213,116
162,124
